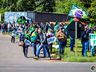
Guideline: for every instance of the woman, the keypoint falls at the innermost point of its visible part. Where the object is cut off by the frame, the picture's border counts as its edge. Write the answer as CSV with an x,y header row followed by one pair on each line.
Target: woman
x,y
62,41
42,44
49,35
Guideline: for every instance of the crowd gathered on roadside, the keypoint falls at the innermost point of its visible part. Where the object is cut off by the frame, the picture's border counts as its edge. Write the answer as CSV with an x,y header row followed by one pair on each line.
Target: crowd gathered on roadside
x,y
39,36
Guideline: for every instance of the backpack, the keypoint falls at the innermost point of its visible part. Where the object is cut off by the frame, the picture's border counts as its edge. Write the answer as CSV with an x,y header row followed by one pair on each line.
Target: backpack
x,y
61,36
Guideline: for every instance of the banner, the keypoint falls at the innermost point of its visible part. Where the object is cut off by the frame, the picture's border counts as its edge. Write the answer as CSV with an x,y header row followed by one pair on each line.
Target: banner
x,y
10,17
77,12
51,40
55,46
92,39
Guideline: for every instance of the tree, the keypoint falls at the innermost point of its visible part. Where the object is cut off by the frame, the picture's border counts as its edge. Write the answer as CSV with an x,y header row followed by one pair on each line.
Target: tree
x,y
92,9
49,6
25,5
64,6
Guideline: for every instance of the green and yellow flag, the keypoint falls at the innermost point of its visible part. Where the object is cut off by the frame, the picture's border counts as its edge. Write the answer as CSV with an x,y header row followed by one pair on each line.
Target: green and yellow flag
x,y
77,12
22,20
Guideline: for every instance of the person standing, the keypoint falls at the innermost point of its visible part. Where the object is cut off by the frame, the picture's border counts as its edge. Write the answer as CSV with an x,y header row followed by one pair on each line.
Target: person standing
x,y
42,44
85,41
33,38
22,37
62,41
49,35
9,27
26,44
13,37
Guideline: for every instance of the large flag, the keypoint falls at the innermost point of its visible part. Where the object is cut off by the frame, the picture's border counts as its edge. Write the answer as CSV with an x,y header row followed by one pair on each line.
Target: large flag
x,y
77,12
21,20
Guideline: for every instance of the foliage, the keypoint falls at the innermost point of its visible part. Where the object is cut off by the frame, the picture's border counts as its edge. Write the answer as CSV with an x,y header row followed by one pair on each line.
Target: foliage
x,y
26,5
92,9
64,6
58,6
49,6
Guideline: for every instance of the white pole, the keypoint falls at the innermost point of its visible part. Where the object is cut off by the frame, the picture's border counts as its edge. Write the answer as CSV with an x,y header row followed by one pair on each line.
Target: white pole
x,y
75,30
0,17
75,35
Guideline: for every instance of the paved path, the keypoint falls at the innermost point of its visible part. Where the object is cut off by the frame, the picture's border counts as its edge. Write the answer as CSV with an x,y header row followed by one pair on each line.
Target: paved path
x,y
12,60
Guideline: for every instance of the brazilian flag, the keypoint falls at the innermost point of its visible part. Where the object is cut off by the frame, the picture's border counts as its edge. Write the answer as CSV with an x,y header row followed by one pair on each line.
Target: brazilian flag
x,y
21,20
77,12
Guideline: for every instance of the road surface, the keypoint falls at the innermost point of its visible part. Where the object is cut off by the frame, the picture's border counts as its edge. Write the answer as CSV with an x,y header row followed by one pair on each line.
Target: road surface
x,y
12,60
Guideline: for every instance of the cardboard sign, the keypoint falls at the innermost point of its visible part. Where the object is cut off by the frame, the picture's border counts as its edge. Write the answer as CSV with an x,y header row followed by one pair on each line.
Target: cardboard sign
x,y
92,39
55,46
51,40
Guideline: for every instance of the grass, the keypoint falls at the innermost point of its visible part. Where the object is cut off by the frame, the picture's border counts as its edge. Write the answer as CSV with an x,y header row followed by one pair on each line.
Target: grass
x,y
77,55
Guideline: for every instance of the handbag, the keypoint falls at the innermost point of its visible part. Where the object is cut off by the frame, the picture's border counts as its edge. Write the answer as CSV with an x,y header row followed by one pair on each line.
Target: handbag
x,y
21,43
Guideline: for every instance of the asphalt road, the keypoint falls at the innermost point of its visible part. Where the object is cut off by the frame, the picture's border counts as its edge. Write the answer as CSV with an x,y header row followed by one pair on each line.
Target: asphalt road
x,y
12,60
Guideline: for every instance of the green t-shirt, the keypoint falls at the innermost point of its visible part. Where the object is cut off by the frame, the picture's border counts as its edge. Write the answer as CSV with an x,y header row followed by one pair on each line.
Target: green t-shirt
x,y
34,36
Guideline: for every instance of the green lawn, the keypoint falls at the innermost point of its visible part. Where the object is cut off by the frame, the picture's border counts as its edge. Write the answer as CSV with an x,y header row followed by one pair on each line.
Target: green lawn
x,y
77,55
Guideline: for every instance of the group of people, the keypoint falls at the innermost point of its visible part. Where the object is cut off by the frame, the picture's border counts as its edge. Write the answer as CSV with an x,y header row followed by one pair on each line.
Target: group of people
x,y
7,27
37,35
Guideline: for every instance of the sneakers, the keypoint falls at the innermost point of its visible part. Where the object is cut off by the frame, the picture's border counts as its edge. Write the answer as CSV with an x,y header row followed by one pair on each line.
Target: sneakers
x,y
25,56
58,58
53,55
36,58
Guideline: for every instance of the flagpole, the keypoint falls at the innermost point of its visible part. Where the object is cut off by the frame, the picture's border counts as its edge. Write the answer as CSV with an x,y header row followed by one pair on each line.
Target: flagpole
x,y
75,29
75,36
